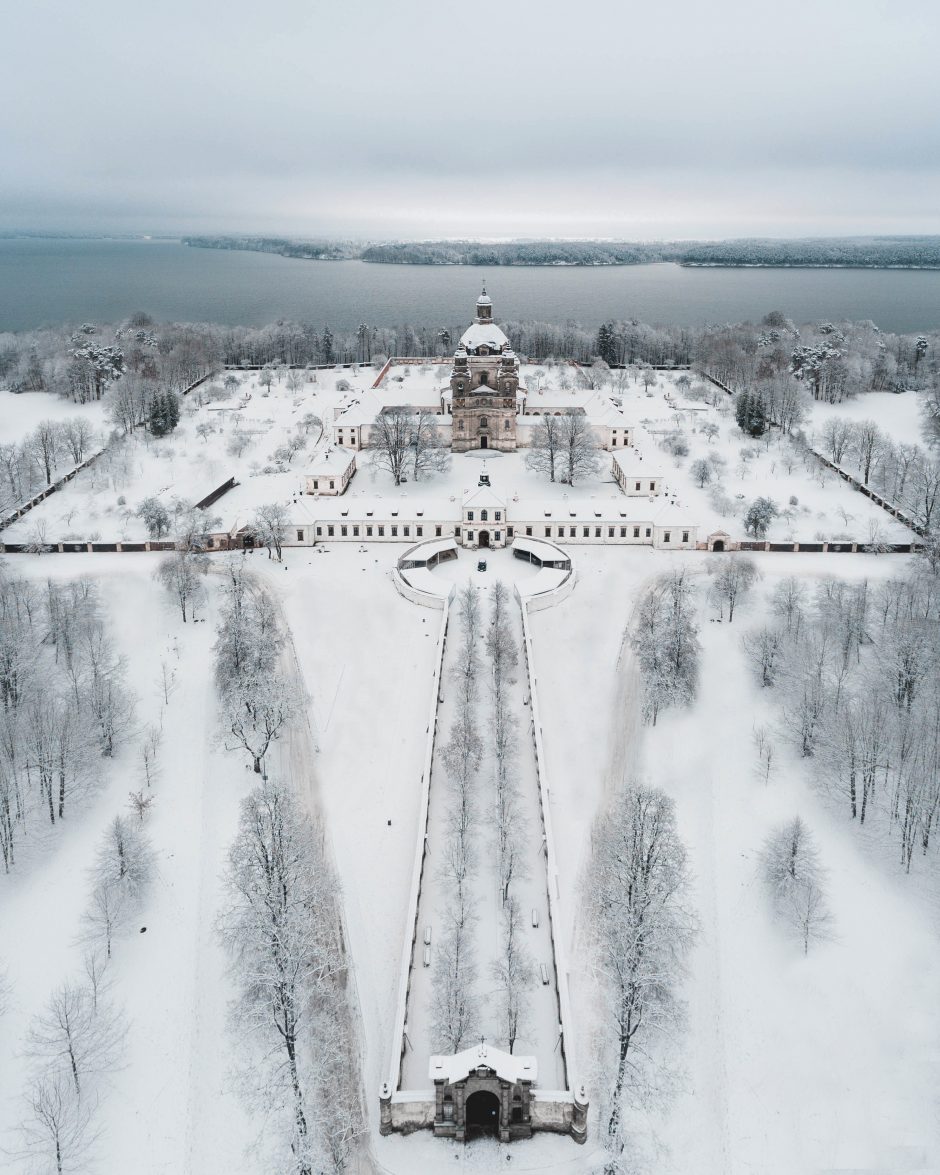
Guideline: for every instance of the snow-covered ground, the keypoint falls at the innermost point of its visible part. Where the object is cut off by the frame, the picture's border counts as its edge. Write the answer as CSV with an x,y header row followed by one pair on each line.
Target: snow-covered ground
x,y
898,416
789,1064
21,412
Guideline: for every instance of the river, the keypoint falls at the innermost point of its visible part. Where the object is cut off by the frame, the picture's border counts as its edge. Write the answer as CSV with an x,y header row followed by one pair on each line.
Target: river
x,y
44,281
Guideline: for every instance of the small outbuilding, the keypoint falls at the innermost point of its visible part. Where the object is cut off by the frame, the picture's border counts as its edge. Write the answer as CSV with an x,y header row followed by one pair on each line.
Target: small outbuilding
x,y
331,471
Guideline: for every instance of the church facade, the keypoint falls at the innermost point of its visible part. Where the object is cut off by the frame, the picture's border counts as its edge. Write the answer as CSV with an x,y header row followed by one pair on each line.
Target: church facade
x,y
484,384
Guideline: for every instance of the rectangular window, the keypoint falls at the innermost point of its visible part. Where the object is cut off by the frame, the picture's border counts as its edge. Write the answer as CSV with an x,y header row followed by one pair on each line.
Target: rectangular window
x,y
456,532
509,531
394,532
561,532
528,531
319,530
685,536
597,532
329,531
636,532
495,536
355,531
381,532
300,536
469,515
623,532
665,536
316,484
369,532
548,532
437,531
648,532
344,531
406,531
419,531
637,485
610,532
652,486
332,484
587,532
573,532
469,536
498,515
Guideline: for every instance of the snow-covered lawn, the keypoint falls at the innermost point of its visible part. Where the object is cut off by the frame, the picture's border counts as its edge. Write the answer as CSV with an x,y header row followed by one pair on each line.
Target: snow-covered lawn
x,y
789,1064
814,503
20,413
899,417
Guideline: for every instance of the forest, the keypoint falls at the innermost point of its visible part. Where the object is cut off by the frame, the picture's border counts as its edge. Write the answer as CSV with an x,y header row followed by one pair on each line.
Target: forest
x,y
915,252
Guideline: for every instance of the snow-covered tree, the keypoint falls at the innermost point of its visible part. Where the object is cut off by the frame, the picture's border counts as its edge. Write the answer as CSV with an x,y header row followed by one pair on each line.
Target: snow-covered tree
x,y
642,926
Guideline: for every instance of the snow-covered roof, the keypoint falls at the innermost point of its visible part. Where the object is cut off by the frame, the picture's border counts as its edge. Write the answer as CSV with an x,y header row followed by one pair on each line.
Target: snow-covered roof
x,y
332,459
339,509
636,510
482,496
427,550
544,552
636,462
673,515
484,299
483,334
506,1066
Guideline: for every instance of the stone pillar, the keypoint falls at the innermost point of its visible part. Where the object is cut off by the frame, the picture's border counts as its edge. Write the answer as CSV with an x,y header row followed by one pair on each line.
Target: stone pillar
x,y
385,1109
505,1103
580,1115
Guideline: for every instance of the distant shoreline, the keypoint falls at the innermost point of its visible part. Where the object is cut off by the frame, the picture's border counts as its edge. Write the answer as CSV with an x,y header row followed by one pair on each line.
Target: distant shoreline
x,y
900,253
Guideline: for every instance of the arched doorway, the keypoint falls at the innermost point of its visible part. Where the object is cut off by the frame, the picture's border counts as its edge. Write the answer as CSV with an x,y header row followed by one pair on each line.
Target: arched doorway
x,y
482,1114
484,538
718,545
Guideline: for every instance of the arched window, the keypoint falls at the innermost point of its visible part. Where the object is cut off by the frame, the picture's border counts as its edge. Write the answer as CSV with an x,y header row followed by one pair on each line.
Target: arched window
x,y
484,515
484,422
507,425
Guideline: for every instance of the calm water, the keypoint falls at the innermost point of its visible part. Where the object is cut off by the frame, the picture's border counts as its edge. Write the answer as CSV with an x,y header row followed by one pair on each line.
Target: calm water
x,y
48,282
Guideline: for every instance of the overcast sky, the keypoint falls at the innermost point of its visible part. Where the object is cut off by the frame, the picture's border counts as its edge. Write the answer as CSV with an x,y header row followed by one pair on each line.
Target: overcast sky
x,y
422,118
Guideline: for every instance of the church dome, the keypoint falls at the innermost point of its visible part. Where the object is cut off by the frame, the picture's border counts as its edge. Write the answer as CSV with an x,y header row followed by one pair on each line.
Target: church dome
x,y
484,299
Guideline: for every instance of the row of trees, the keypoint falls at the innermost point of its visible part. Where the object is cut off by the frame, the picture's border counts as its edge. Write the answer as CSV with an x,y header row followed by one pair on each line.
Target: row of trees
x,y
455,1009
64,702
905,474
281,922
855,670
53,447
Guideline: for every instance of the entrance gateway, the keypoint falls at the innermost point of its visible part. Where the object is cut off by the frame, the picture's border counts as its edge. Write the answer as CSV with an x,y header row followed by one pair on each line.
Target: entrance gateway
x,y
483,1091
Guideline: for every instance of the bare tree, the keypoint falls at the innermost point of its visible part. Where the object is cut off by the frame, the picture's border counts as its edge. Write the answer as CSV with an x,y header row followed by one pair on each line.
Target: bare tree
x,y
182,575
638,893
763,647
734,576
76,1032
255,710
270,524
790,864
390,440
431,452
454,1002
544,454
57,1129
514,973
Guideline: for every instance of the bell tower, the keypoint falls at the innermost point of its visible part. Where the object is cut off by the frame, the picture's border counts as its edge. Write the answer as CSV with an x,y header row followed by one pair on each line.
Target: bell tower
x,y
484,308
